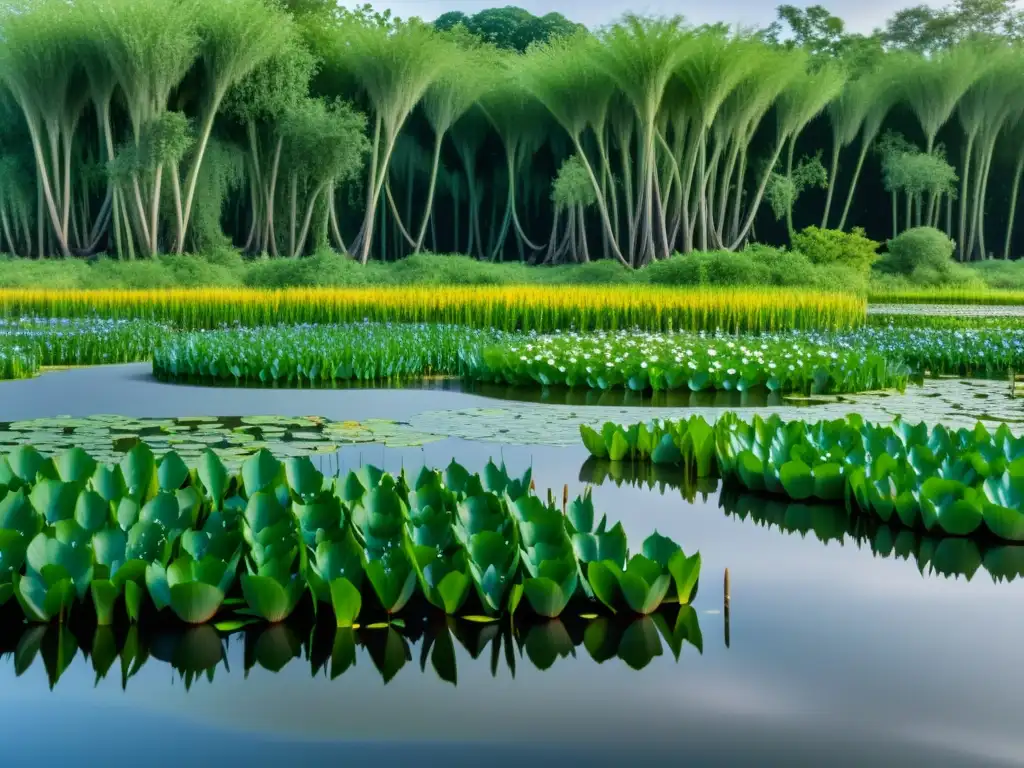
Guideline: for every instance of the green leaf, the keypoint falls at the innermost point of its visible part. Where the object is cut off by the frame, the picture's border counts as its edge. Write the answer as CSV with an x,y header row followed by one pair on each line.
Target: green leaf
x,y
593,441
195,602
104,597
685,573
260,472
91,511
545,596
74,465
796,478
172,472
266,597
213,476
603,578
346,601
619,447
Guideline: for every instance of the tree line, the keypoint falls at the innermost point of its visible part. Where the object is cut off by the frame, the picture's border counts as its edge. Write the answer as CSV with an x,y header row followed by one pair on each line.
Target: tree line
x,y
143,127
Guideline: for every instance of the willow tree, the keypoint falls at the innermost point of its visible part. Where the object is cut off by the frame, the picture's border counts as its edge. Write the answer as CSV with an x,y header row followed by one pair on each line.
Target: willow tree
x,y
710,70
324,145
802,100
846,114
933,87
38,64
150,47
236,37
393,68
259,101
523,126
1015,138
739,119
641,55
564,76
572,193
465,76
881,90
984,109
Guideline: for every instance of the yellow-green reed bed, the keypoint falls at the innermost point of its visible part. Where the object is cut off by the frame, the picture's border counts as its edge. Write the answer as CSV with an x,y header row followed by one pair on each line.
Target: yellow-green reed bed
x,y
526,308
26,345
318,355
947,296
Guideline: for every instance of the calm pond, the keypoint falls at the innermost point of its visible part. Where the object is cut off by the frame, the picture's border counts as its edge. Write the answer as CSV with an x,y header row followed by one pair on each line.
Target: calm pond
x,y
864,650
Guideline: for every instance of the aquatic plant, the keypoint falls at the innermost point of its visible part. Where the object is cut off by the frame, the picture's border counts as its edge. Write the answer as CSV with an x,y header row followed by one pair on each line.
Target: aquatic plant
x,y
511,308
955,482
645,361
367,543
317,355
28,344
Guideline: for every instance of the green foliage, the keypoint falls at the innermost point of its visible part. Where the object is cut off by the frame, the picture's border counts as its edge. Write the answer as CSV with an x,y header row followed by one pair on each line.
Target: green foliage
x,y
317,355
573,187
831,246
920,253
783,190
366,543
643,362
952,482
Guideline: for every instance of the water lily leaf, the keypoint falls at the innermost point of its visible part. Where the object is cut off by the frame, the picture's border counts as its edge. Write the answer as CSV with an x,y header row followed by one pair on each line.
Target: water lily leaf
x,y
25,462
797,479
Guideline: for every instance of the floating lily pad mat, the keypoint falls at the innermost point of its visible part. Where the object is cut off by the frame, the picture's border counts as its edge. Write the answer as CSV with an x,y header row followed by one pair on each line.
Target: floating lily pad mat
x,y
107,437
952,402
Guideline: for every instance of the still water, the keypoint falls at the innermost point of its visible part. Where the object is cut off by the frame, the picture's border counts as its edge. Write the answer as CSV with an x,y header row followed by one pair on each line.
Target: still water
x,y
858,651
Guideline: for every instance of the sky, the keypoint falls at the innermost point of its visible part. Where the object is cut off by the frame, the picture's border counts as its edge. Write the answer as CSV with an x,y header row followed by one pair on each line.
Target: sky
x,y
860,15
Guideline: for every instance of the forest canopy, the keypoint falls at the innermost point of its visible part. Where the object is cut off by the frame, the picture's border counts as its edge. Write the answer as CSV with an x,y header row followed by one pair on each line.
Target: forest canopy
x,y
140,127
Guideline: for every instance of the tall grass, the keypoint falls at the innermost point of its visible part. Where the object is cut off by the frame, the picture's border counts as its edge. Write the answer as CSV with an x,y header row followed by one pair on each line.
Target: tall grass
x,y
945,296
527,308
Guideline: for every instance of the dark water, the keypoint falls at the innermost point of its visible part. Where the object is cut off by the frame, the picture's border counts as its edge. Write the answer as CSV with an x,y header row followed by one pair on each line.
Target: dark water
x,y
842,650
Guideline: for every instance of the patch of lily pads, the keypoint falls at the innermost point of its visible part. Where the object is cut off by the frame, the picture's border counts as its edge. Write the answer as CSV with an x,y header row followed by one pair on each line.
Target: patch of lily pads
x,y
108,437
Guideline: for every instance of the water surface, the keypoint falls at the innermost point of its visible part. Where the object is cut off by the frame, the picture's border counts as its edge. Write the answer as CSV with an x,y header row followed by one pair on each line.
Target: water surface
x,y
837,655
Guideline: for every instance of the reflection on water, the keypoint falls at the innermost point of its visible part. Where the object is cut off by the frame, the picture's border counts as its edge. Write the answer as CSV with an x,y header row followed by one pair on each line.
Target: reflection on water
x,y
679,398
202,652
950,556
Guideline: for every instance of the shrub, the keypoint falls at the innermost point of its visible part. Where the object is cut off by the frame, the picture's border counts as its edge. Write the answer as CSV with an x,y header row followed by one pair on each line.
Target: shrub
x,y
785,267
707,268
922,250
832,246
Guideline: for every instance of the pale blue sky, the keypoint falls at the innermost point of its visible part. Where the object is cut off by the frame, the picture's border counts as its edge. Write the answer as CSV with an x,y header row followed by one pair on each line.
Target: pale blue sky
x,y
860,15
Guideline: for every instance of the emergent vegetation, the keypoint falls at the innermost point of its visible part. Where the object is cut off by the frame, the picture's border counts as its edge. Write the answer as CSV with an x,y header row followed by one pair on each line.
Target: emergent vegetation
x,y
73,530
507,309
953,482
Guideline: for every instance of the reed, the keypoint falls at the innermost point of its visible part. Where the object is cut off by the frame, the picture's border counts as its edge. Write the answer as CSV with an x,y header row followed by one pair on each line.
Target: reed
x,y
523,308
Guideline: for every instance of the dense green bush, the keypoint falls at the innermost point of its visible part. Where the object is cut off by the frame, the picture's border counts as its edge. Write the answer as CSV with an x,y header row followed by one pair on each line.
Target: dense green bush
x,y
921,250
707,268
833,247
